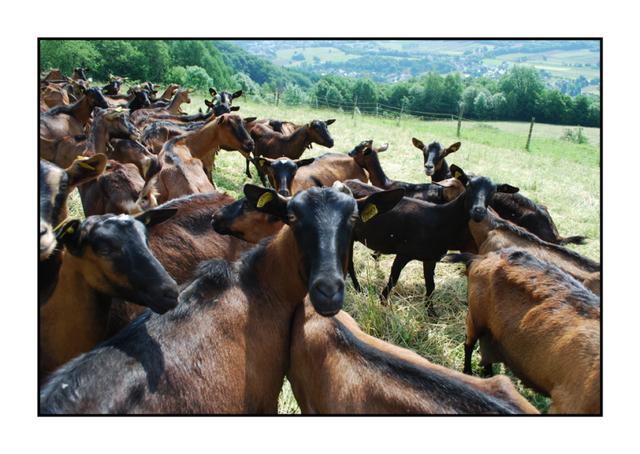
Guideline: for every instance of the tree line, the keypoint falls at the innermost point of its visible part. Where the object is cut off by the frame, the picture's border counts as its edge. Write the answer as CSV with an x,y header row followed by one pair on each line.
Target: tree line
x,y
518,95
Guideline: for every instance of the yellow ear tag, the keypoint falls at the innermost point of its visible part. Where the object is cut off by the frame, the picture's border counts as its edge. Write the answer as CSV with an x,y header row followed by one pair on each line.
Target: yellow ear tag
x,y
147,220
370,211
86,166
457,174
264,199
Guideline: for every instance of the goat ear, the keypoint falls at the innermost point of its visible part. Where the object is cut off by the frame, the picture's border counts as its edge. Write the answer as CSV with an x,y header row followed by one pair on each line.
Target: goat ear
x,y
264,162
212,91
234,108
68,234
379,203
459,174
507,188
208,103
304,162
267,200
152,217
382,148
84,169
452,148
417,143
236,94
250,119
330,122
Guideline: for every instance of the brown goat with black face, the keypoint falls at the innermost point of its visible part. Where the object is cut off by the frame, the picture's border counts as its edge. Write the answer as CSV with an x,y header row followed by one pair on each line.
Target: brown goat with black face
x,y
435,165
272,144
282,171
70,120
336,369
184,241
55,186
493,233
542,323
366,156
104,256
225,348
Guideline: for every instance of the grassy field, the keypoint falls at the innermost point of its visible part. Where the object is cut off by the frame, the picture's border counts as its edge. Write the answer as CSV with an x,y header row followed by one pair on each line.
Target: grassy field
x,y
562,175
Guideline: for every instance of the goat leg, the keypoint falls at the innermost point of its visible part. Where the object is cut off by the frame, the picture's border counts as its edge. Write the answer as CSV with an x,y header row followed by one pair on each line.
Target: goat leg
x,y
429,268
352,272
398,264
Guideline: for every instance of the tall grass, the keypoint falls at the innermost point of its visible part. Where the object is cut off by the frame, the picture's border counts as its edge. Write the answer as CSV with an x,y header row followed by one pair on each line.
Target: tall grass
x,y
562,175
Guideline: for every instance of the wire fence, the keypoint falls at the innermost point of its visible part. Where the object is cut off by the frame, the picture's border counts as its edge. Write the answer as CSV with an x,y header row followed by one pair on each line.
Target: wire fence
x,y
401,113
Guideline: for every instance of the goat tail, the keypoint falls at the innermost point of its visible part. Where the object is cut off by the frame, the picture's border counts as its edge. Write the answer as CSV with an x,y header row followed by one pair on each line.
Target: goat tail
x,y
578,239
464,257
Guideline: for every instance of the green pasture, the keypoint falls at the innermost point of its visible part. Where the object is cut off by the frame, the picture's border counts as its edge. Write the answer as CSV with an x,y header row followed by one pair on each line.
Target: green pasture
x,y
562,175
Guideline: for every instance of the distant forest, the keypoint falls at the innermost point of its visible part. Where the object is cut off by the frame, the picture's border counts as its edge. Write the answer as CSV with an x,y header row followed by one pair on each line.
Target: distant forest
x,y
517,95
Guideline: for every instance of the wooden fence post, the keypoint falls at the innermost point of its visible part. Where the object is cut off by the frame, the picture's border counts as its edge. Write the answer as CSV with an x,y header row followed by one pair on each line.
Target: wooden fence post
x,y
377,109
533,119
355,105
460,112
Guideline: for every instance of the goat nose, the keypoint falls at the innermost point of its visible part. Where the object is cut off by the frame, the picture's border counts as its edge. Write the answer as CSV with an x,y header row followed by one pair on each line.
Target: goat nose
x,y
327,296
478,213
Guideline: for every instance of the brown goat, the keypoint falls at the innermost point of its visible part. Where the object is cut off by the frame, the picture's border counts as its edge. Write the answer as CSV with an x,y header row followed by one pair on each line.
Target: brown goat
x,y
133,152
187,160
336,368
493,233
107,124
70,120
119,190
140,116
104,256
272,144
225,349
55,186
542,323
53,95
182,242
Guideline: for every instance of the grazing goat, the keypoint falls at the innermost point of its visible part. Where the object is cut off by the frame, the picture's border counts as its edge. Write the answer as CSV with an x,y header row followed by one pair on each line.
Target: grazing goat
x,y
272,144
225,349
542,323
104,256
336,369
367,157
417,230
55,186
493,233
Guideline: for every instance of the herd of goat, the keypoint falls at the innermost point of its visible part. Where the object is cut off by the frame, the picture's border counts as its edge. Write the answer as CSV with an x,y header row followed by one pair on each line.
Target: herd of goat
x,y
172,297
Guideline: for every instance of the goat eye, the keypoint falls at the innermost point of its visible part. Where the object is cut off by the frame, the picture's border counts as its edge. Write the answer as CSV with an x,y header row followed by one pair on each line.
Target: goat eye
x,y
292,218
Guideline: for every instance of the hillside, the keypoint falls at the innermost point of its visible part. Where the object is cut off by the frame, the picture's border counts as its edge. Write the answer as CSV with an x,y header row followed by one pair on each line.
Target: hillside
x,y
571,66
